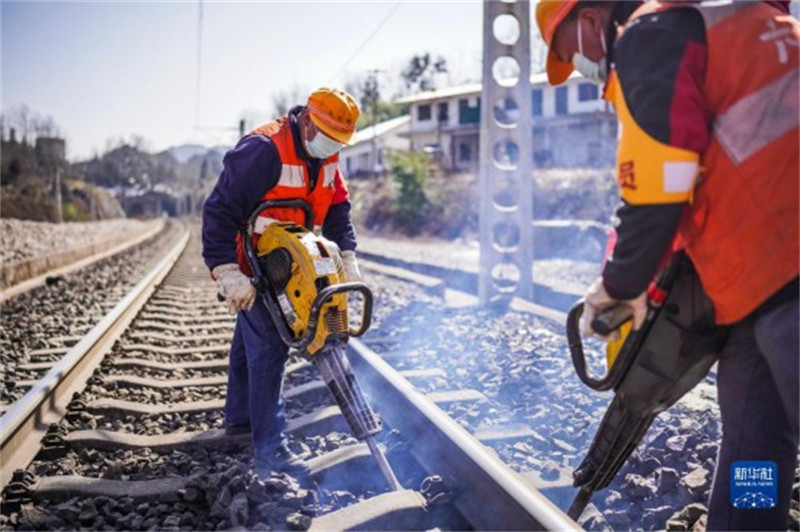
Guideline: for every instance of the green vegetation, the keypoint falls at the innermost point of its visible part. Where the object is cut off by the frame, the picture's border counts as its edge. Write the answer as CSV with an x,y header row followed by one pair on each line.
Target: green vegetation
x,y
416,199
411,172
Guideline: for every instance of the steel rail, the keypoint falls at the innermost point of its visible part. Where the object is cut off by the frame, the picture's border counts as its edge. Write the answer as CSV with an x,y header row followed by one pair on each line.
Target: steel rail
x,y
40,278
489,494
25,423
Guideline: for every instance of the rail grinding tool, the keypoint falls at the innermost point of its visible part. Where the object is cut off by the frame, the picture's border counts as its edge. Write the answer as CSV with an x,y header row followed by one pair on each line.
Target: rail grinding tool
x,y
649,369
299,277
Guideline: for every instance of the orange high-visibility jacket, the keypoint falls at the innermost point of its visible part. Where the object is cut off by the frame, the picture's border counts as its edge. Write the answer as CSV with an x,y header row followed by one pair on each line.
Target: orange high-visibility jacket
x,y
294,183
741,228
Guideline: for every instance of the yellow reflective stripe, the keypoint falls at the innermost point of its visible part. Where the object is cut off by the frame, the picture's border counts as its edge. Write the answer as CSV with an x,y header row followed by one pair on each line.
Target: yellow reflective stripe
x,y
650,172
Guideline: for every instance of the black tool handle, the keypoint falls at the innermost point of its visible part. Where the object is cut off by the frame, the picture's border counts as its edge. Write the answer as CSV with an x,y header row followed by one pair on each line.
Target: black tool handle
x,y
610,379
611,319
303,205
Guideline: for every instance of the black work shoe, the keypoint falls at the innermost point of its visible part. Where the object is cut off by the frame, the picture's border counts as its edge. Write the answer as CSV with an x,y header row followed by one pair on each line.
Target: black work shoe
x,y
282,461
236,430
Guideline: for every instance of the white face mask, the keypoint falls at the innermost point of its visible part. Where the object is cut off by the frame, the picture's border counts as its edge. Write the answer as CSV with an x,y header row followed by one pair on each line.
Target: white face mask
x,y
591,70
322,146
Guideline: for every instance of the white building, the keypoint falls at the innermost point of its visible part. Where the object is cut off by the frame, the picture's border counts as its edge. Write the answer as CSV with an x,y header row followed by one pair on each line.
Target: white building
x,y
572,125
359,158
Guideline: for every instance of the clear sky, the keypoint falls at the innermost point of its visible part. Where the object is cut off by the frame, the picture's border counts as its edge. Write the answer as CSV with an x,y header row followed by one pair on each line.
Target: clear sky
x,y
116,69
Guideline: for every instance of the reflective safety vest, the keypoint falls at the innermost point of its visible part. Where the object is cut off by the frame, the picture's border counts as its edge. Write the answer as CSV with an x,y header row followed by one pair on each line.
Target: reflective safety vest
x,y
294,183
741,228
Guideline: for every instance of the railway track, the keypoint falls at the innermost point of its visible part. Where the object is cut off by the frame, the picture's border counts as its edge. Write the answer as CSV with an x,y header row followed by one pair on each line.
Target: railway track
x,y
125,432
42,320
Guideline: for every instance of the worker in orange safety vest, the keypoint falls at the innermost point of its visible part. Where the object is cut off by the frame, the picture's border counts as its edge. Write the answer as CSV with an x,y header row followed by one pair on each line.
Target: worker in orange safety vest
x,y
293,157
708,104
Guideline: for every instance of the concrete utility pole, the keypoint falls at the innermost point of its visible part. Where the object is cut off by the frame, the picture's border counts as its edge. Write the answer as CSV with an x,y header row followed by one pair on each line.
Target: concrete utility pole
x,y
506,154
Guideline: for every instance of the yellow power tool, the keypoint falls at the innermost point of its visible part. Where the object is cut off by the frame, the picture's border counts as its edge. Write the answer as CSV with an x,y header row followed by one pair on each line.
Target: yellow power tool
x,y
299,277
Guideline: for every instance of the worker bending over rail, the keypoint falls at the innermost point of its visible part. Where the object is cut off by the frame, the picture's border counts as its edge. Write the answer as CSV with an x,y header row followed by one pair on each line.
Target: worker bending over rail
x,y
708,104
294,157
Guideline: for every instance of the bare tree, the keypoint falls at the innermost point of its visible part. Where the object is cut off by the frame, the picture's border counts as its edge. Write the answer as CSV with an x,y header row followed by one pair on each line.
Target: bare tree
x,y
44,126
28,124
421,72
255,117
24,121
51,129
13,120
284,100
140,143
353,85
370,89
37,126
364,87
112,143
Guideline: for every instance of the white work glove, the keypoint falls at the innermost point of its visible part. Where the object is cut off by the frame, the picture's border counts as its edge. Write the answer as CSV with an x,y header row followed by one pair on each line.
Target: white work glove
x,y
597,299
235,287
351,271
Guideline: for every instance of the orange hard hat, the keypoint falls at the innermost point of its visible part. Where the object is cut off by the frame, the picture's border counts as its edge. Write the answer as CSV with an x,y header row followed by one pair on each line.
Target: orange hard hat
x,y
334,112
549,14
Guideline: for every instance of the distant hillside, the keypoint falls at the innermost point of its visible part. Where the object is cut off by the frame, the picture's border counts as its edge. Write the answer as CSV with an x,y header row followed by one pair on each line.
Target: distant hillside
x,y
127,166
180,176
153,184
185,152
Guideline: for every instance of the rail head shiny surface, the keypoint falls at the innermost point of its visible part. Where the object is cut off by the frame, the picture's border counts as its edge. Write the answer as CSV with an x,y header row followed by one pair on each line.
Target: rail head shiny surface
x,y
46,402
498,498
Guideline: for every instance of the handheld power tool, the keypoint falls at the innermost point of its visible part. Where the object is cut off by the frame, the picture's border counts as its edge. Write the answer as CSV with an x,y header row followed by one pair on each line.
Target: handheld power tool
x,y
649,369
299,277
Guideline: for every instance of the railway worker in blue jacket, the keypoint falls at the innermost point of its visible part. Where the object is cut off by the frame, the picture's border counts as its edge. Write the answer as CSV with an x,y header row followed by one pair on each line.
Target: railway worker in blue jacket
x,y
296,156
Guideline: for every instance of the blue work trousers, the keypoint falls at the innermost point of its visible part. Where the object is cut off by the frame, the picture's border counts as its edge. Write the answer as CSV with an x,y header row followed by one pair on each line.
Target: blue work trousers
x,y
255,380
757,381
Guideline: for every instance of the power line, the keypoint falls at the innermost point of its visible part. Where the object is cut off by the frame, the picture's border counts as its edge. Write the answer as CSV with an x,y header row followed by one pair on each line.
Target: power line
x,y
374,32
